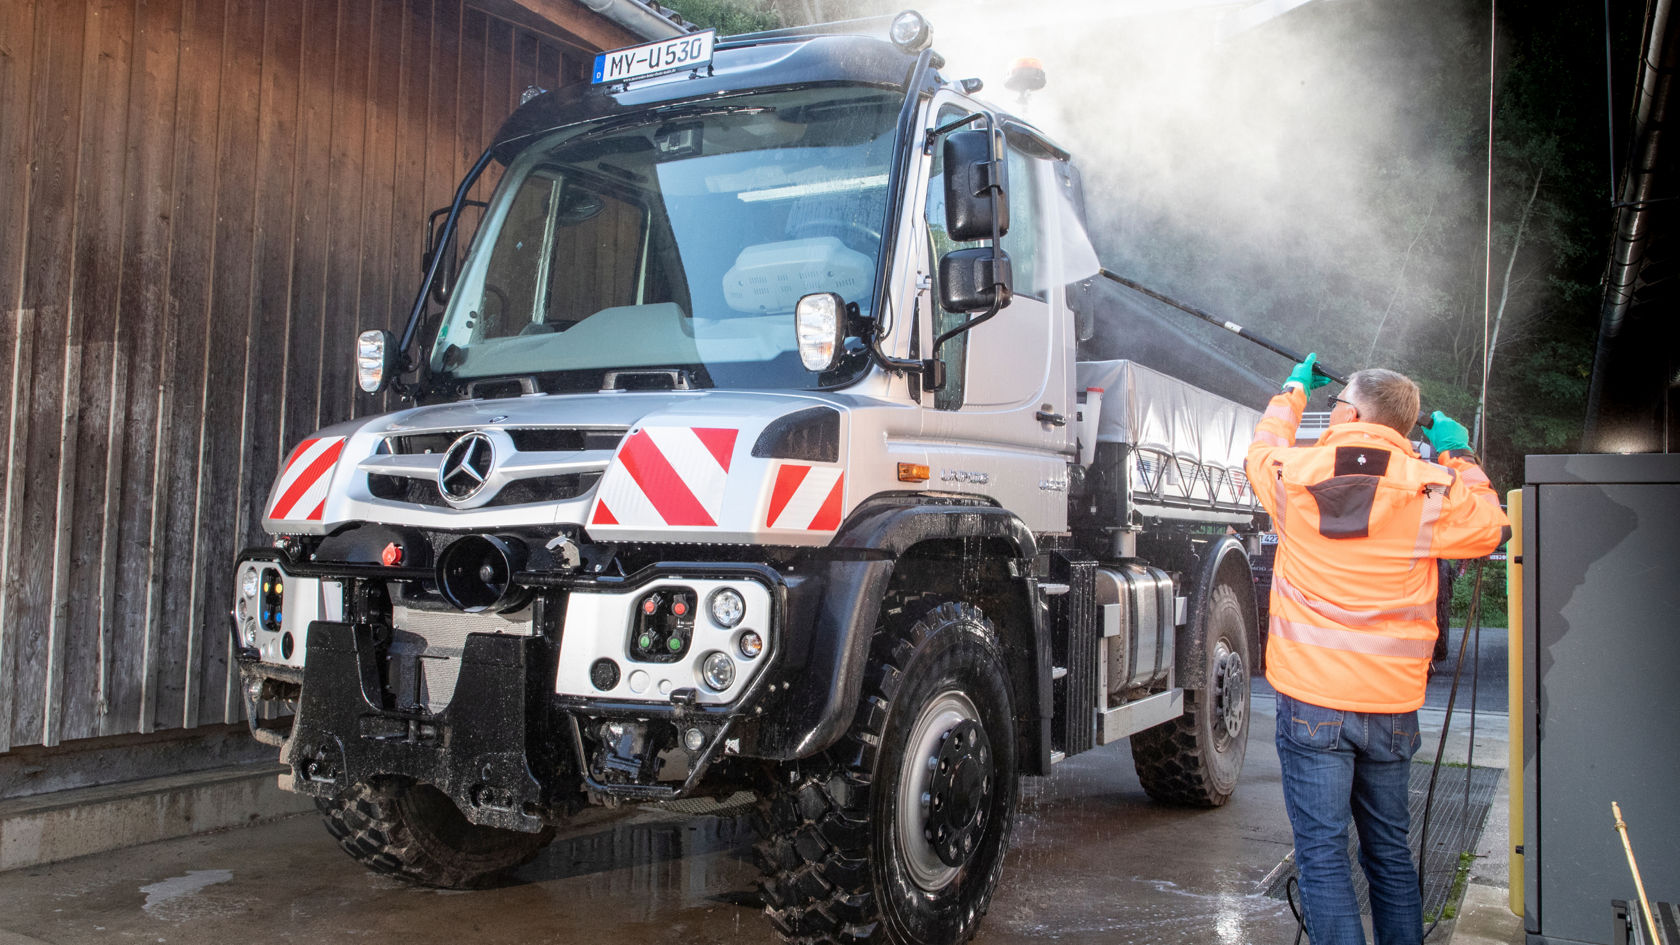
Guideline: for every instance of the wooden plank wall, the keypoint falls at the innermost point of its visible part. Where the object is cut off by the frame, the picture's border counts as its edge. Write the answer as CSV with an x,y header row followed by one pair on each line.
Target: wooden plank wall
x,y
205,201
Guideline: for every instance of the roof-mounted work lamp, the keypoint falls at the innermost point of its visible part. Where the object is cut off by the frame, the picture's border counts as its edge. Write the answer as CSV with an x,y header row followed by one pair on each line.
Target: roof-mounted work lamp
x,y
910,31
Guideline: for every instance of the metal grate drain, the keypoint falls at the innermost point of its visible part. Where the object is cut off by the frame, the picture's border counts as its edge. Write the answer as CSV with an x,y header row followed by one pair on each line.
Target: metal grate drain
x,y
1454,828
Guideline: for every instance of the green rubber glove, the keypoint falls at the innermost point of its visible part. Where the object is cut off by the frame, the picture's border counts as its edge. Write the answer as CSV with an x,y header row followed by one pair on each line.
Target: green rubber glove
x,y
1445,433
1308,375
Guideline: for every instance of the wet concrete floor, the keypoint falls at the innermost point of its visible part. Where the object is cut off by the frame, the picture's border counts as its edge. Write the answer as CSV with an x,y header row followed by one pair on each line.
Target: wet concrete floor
x,y
1093,861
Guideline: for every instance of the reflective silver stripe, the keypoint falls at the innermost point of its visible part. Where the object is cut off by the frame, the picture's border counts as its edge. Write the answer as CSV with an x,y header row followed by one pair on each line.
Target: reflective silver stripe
x,y
1342,615
1269,438
1433,496
1279,412
1350,641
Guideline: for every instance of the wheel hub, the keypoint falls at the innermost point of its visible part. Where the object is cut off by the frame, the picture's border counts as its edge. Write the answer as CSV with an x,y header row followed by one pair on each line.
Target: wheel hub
x,y
948,759
1230,686
959,793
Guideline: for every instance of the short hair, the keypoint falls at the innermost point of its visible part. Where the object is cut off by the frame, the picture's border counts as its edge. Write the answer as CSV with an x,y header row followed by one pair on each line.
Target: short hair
x,y
1386,397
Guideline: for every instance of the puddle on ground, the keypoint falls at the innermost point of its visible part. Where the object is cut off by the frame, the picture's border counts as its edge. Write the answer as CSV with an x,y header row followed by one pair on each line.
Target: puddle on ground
x,y
645,864
177,898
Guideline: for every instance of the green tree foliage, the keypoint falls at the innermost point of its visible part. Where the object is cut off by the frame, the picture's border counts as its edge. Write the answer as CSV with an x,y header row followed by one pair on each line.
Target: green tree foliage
x,y
728,17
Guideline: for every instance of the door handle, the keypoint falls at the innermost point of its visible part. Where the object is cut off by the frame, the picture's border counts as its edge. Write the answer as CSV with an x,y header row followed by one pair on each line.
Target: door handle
x,y
1054,419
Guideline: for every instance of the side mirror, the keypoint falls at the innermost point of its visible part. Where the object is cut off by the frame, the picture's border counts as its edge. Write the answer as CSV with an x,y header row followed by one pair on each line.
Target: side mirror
x,y
376,359
819,323
450,270
974,167
975,279
445,280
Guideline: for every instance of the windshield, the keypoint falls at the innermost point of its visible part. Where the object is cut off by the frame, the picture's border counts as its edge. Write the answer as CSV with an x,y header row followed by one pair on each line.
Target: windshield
x,y
669,249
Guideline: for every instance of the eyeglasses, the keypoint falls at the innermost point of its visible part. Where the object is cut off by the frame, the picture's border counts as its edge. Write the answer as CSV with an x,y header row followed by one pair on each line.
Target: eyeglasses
x,y
1334,400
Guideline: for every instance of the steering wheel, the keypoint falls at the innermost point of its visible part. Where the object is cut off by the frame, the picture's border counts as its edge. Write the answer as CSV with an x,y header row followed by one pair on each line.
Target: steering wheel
x,y
489,318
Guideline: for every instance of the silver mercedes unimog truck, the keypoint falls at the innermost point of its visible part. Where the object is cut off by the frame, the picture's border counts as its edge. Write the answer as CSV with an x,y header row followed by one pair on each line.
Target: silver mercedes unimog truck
x,y
751,449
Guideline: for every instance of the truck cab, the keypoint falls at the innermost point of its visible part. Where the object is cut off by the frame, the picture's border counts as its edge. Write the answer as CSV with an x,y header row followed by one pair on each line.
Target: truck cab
x,y
750,449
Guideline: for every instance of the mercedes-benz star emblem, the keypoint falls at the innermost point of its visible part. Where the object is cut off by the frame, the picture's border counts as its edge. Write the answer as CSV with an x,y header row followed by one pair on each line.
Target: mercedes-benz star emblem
x,y
466,467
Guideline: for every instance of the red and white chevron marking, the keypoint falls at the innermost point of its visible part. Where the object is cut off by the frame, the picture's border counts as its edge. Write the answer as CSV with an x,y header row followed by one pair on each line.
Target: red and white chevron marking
x,y
806,498
667,476
302,492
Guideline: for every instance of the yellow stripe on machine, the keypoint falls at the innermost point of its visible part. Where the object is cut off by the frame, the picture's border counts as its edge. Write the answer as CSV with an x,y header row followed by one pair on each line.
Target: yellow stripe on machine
x,y
1514,695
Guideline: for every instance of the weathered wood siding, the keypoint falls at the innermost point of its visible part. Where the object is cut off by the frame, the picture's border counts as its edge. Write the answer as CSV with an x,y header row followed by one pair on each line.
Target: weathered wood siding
x,y
203,202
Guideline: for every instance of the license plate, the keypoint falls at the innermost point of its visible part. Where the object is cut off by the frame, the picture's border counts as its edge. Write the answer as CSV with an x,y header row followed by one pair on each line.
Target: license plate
x,y
667,55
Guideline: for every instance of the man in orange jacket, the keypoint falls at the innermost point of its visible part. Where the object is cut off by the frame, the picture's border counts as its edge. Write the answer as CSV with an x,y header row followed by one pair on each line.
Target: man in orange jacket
x,y
1361,523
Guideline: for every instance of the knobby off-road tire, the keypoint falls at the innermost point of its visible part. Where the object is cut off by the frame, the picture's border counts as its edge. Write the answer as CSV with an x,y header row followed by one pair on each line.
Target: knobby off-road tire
x,y
1195,759
416,833
846,849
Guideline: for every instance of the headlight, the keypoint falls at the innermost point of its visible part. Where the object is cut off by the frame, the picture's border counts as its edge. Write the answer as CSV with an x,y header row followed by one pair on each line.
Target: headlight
x,y
375,357
818,323
248,584
718,671
727,607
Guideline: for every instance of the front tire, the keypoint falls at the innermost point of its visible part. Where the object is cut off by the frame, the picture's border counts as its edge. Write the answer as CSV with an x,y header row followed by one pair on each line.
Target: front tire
x,y
900,830
1195,759
416,833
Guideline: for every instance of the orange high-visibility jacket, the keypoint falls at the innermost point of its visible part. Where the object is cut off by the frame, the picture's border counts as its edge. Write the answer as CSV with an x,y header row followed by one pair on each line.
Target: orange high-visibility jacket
x,y
1361,522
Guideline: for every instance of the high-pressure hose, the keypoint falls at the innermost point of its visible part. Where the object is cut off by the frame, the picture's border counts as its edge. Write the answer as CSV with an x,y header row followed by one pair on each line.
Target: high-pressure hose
x,y
1472,619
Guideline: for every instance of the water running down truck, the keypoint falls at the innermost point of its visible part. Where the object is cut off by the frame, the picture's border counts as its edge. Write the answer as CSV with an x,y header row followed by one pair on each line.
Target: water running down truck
x,y
751,450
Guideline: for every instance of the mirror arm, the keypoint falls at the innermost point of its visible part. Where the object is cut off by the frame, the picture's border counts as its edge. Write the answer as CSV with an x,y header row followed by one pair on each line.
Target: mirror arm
x,y
935,134
886,360
965,326
404,362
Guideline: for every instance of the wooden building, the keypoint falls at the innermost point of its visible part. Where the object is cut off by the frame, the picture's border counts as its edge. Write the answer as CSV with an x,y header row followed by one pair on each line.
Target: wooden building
x,y
203,201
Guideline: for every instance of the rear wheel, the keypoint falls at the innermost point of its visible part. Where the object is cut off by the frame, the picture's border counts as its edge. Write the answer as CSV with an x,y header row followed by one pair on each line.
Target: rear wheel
x,y
1196,758
900,830
415,832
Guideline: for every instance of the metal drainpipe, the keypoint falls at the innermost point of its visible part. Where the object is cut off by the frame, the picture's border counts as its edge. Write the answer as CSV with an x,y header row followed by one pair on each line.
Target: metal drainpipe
x,y
636,17
1614,415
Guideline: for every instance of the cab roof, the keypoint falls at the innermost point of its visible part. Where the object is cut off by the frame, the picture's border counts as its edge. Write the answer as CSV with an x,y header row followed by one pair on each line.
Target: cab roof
x,y
739,64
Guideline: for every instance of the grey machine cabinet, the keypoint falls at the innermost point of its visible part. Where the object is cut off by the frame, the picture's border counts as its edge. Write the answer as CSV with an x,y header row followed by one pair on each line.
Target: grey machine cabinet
x,y
1601,687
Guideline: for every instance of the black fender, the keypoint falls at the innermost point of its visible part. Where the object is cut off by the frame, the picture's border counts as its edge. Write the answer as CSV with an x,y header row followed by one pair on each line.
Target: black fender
x,y
1222,559
833,615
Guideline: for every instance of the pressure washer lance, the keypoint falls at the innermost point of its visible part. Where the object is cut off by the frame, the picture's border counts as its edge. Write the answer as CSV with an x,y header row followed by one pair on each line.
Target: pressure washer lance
x,y
1424,419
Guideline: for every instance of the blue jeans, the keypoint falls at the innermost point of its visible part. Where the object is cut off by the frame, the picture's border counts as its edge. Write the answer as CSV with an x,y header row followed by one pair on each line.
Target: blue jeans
x,y
1340,766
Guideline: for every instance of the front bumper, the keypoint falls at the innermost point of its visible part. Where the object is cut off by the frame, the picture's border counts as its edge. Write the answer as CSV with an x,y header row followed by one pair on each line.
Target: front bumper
x,y
519,739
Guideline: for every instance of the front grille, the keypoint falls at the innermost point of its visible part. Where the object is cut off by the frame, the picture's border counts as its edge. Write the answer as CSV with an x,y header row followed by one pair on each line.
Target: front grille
x,y
416,443
525,440
518,492
547,440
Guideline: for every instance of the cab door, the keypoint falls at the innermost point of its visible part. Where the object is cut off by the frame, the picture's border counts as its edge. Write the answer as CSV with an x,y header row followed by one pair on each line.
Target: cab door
x,y
1002,424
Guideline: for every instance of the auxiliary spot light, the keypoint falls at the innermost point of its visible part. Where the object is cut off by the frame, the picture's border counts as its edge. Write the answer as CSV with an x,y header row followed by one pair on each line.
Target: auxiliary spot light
x,y
717,671
910,31
727,607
